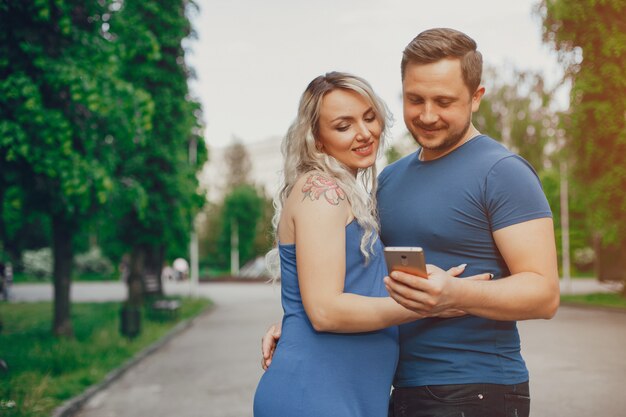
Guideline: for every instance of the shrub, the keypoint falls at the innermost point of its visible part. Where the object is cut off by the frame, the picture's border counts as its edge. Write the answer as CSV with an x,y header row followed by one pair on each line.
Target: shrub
x,y
93,262
38,262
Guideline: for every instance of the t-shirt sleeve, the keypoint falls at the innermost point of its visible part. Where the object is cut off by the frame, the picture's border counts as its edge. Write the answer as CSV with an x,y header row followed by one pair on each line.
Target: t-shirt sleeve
x,y
513,193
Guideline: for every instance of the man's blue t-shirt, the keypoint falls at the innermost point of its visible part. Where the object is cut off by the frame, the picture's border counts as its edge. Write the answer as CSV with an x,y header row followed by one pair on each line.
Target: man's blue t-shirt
x,y
450,207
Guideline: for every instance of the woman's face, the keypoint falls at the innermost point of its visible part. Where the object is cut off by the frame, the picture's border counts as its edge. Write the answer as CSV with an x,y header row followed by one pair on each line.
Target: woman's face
x,y
348,129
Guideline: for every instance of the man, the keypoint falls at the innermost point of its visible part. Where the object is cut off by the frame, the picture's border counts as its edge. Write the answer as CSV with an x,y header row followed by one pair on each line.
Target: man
x,y
463,198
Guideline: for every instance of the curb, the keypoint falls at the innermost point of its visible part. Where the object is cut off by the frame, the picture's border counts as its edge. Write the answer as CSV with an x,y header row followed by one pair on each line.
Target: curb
x,y
583,306
74,405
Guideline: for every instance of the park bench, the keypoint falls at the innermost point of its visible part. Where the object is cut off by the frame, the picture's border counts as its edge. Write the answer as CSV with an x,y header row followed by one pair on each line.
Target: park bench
x,y
158,307
164,309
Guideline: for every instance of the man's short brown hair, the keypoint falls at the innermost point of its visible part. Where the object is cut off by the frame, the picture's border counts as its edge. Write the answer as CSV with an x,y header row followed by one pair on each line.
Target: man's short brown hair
x,y
433,45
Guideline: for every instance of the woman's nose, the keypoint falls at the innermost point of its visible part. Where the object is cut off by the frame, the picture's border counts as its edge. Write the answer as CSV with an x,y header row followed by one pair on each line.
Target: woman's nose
x,y
363,133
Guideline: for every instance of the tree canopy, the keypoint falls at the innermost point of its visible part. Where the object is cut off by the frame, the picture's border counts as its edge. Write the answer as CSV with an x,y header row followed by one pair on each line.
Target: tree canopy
x,y
65,114
590,37
95,113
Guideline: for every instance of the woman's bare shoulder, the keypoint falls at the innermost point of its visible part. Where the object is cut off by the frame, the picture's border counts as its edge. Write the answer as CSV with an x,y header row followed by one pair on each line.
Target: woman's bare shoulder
x,y
318,186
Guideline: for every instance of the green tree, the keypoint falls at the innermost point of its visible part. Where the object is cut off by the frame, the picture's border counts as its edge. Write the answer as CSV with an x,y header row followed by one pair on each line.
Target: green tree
x,y
590,38
579,234
20,228
264,239
238,164
64,116
155,212
243,206
516,109
392,154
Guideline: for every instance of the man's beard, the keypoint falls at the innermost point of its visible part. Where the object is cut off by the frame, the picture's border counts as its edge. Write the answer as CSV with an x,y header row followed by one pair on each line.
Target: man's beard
x,y
449,142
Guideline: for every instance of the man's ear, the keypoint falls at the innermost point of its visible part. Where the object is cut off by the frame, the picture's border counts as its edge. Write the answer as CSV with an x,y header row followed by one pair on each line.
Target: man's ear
x,y
477,97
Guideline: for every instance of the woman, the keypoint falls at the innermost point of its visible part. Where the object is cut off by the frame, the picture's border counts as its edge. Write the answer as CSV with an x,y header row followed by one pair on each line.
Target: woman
x,y
338,349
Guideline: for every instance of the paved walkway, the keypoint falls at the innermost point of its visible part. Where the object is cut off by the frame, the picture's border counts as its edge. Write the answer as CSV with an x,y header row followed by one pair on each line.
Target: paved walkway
x,y
577,363
210,370
577,360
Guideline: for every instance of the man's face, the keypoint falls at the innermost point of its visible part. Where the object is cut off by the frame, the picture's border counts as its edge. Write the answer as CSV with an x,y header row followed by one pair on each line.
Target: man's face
x,y
438,106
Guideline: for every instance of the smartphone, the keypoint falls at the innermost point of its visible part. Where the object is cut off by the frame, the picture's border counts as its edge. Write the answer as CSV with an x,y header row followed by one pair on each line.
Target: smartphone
x,y
406,259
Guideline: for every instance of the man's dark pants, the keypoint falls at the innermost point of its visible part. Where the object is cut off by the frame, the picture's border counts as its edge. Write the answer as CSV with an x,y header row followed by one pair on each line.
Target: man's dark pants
x,y
466,400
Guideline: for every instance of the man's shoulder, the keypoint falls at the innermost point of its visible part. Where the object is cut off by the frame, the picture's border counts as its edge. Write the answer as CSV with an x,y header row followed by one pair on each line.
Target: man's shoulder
x,y
487,153
496,154
488,147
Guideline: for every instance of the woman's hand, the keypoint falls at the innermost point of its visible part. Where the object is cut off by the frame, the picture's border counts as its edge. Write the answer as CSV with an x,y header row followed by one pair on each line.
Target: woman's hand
x,y
433,296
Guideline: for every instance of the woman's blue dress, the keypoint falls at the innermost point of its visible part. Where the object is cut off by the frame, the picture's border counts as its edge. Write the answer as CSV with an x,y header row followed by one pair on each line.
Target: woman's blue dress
x,y
318,374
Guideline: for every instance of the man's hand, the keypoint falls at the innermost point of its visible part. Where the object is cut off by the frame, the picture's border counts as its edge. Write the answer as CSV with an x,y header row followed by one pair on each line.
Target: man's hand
x,y
434,296
268,344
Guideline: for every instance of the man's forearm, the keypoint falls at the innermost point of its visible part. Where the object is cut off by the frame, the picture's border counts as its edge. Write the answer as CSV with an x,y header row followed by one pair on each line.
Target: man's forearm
x,y
521,296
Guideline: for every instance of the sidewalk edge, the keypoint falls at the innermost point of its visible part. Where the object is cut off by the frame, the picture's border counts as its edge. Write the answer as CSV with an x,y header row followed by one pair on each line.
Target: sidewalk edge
x,y
73,405
584,306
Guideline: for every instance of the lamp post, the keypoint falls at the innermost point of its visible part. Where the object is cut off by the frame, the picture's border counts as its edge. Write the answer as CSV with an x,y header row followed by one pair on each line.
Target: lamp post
x,y
234,246
565,258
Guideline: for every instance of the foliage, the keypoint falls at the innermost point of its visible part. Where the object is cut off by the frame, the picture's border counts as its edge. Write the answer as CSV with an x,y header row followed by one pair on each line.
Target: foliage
x,y
401,147
44,371
159,197
209,231
93,261
21,229
37,263
579,234
243,206
590,37
516,109
238,164
264,238
64,111
65,117
392,154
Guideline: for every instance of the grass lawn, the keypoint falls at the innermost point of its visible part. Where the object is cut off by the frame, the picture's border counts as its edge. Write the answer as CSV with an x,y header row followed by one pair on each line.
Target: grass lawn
x,y
613,300
45,371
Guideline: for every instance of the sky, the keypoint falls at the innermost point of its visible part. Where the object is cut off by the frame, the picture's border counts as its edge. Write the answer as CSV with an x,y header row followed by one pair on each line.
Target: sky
x,y
253,59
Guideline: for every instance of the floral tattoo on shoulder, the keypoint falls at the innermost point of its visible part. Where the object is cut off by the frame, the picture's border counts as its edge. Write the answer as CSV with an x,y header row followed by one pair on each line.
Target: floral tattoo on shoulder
x,y
318,185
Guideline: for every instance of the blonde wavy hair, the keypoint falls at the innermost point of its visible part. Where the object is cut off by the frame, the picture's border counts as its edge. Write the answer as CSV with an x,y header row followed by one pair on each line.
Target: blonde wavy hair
x,y
301,155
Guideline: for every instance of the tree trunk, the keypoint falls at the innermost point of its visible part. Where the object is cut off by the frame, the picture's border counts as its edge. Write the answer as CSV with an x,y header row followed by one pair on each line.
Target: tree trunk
x,y
135,280
62,232
153,265
611,263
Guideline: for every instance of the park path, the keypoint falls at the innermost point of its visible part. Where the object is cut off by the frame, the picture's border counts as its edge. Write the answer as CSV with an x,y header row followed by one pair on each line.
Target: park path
x,y
209,370
577,360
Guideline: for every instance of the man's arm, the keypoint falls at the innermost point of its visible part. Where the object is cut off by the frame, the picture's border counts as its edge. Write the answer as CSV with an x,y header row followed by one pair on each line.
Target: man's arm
x,y
268,344
273,333
530,292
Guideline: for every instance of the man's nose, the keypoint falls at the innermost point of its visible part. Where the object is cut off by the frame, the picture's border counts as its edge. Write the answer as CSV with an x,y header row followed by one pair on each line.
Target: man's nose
x,y
428,115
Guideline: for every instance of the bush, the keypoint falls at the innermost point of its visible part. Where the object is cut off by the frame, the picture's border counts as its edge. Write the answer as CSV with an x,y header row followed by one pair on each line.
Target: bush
x,y
584,259
37,263
93,262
